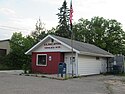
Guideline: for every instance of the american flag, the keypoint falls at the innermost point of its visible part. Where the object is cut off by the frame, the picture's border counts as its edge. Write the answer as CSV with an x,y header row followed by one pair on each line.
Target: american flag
x,y
71,12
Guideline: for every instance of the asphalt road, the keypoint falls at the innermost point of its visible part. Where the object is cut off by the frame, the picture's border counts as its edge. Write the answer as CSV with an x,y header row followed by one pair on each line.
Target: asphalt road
x,y
15,84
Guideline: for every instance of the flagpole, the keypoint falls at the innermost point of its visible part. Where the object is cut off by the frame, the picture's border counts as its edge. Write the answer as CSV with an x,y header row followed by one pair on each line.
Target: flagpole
x,y
72,52
71,11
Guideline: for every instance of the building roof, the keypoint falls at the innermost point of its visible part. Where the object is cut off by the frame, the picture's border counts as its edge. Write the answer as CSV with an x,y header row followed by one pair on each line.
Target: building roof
x,y
79,47
4,40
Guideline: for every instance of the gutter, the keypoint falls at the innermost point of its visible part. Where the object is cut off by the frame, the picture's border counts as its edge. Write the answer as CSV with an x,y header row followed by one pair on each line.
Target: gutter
x,y
95,54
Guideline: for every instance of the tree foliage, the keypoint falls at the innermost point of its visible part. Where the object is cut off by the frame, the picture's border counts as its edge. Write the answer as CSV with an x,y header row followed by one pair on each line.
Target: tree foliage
x,y
63,16
40,31
104,33
19,45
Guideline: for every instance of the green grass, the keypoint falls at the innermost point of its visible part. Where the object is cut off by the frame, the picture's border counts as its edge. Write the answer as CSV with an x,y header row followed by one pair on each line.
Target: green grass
x,y
121,74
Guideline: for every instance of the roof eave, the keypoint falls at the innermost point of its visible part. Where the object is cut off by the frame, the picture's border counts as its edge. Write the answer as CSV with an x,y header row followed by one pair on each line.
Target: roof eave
x,y
5,40
30,50
64,44
95,54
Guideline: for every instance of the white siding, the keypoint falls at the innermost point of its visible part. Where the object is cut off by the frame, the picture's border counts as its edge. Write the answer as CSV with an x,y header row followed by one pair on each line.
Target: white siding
x,y
104,65
88,65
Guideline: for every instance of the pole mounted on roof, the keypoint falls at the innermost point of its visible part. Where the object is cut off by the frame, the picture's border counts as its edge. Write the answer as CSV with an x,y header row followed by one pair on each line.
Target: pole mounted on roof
x,y
70,28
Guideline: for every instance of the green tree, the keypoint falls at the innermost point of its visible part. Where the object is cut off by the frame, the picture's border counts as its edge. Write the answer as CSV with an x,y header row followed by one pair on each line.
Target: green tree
x,y
104,33
63,16
81,30
40,31
19,45
51,31
114,37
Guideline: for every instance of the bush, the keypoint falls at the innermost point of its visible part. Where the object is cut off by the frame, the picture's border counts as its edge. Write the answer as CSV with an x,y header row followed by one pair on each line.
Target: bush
x,y
26,68
4,67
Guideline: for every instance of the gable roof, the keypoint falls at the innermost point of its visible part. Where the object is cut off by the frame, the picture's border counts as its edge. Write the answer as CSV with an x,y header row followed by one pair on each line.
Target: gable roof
x,y
79,47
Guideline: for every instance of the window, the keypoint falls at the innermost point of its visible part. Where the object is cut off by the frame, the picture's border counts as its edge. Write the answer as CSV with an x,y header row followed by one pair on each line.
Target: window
x,y
52,40
72,60
3,52
42,60
97,58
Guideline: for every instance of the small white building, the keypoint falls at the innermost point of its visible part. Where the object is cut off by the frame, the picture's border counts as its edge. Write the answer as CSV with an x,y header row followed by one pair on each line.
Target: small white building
x,y
49,52
4,47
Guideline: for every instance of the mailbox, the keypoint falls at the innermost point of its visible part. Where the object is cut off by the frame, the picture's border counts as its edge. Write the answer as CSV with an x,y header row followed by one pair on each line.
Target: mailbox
x,y
62,68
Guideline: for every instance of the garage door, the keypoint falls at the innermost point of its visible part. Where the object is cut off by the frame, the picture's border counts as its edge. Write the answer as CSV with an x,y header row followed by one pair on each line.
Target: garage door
x,y
88,65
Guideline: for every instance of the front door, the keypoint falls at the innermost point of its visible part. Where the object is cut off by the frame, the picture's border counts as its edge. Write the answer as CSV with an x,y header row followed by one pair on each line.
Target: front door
x,y
70,64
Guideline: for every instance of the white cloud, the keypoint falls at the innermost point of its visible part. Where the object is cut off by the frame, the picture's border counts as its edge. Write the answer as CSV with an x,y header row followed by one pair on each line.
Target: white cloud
x,y
55,2
24,25
8,12
27,23
15,23
112,9
50,24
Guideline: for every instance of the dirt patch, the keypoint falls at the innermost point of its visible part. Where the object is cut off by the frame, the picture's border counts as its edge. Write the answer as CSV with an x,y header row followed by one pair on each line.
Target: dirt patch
x,y
115,86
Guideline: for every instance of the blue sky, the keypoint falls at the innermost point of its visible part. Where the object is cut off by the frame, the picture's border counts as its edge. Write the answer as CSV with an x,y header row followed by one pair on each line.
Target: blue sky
x,y
21,15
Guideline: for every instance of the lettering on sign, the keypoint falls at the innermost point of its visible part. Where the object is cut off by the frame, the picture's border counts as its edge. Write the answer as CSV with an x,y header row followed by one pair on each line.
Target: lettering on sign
x,y
46,44
52,45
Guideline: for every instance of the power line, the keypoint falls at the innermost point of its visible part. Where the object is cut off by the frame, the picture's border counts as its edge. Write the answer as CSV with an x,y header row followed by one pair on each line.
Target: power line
x,y
14,28
9,29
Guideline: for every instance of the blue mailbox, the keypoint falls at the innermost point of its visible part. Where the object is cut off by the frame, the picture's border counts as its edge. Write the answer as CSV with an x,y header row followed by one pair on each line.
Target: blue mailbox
x,y
62,68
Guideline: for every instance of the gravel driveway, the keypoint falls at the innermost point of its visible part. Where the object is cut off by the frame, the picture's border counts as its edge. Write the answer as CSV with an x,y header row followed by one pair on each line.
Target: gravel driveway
x,y
16,84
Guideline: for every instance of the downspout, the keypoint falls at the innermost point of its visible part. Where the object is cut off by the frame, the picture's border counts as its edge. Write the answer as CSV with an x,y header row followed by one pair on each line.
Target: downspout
x,y
108,66
76,64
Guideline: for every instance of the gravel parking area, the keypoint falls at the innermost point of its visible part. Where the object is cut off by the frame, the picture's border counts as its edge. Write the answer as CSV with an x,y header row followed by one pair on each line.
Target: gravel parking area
x,y
16,84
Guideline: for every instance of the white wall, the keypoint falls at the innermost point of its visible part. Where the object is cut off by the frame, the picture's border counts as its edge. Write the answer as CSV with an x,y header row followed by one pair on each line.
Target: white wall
x,y
103,65
5,45
88,65
67,57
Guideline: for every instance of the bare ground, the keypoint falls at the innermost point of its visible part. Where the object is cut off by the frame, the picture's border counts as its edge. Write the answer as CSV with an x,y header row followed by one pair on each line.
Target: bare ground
x,y
12,83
